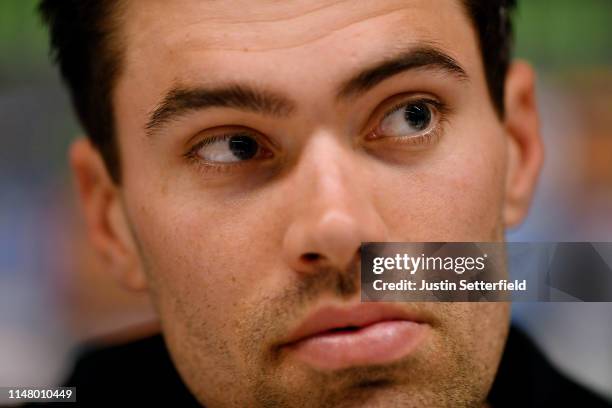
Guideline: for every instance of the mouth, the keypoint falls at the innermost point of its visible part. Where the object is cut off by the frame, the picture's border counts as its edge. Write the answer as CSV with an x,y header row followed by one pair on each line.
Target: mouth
x,y
333,338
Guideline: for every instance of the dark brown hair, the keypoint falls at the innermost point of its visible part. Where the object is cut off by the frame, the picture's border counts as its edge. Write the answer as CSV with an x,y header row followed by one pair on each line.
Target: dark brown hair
x,y
86,44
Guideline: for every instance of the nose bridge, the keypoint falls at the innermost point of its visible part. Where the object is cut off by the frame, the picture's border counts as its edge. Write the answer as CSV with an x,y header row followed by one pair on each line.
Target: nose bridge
x,y
335,214
331,173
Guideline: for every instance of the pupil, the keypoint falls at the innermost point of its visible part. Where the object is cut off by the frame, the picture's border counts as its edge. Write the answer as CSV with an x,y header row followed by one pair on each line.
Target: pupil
x,y
243,147
418,115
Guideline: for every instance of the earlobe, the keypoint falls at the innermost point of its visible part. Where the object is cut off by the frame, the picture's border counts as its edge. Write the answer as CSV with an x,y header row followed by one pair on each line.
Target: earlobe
x,y
105,218
525,150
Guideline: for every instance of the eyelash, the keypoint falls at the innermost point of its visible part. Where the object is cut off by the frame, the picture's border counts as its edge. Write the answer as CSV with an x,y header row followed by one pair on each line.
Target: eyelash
x,y
424,139
204,166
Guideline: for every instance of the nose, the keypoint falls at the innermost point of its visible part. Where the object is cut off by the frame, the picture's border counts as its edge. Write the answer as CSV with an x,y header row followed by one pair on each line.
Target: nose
x,y
334,212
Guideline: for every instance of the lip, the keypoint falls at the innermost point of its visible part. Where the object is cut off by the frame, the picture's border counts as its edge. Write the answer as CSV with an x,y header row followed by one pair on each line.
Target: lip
x,y
336,337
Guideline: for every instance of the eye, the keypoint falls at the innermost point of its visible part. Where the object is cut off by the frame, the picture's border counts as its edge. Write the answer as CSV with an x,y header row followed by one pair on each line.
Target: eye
x,y
409,119
231,148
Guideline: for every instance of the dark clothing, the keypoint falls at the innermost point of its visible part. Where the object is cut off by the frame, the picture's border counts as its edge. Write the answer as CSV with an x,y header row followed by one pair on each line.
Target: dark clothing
x,y
527,379
142,374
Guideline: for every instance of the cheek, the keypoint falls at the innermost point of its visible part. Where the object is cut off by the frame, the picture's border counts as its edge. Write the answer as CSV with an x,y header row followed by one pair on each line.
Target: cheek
x,y
206,259
206,264
482,329
456,196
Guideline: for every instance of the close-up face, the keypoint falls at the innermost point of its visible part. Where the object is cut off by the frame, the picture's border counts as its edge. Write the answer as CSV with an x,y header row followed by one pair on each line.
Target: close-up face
x,y
261,143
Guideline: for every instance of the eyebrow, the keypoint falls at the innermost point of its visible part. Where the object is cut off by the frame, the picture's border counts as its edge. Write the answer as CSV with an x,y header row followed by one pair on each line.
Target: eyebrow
x,y
423,57
181,100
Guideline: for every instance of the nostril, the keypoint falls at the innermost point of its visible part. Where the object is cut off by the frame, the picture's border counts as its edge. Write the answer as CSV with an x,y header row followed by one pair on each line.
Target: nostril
x,y
311,257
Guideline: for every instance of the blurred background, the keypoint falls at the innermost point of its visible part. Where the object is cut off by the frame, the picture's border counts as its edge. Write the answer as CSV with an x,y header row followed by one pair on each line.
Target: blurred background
x,y
54,294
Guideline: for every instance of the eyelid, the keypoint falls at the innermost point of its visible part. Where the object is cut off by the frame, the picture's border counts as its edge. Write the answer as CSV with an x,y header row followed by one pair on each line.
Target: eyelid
x,y
209,136
398,101
440,110
439,106
205,166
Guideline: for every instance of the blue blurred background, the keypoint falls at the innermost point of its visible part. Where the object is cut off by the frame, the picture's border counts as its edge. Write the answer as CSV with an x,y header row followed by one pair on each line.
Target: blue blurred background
x,y
54,294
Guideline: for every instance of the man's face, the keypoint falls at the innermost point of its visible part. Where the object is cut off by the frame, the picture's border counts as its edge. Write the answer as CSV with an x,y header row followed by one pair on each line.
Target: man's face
x,y
261,143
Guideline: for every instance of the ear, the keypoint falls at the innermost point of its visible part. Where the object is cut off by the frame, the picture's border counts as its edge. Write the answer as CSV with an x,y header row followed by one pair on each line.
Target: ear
x,y
525,150
106,219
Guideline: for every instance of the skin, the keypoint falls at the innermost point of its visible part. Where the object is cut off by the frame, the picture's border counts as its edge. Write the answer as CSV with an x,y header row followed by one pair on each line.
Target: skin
x,y
221,249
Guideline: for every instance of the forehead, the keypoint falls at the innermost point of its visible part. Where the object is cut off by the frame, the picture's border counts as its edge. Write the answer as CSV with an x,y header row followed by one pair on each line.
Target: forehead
x,y
266,25
169,42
